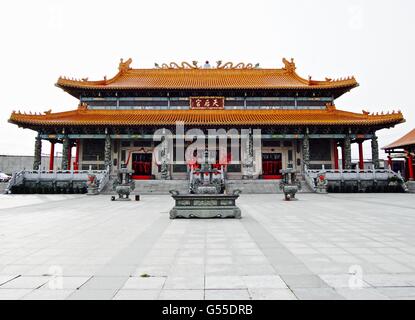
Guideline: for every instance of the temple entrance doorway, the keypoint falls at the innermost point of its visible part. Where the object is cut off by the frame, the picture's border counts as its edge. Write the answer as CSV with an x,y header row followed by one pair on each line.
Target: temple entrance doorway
x,y
271,165
141,165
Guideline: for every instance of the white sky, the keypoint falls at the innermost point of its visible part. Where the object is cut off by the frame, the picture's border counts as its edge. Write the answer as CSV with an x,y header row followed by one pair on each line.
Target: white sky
x,y
41,40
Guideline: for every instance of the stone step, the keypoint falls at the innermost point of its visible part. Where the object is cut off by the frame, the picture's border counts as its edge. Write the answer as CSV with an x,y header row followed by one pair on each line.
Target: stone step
x,y
153,186
260,186
253,186
246,186
160,186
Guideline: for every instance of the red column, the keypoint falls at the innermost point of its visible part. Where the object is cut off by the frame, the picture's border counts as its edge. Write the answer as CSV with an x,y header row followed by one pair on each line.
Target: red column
x,y
389,161
69,155
76,164
336,155
361,165
410,167
343,160
52,155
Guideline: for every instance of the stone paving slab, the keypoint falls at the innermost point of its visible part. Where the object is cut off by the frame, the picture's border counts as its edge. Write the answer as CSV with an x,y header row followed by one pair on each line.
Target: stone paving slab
x,y
335,246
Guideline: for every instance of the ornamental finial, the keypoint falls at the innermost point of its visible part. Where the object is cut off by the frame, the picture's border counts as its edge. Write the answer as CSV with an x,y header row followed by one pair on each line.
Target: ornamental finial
x,y
330,106
82,106
289,65
124,66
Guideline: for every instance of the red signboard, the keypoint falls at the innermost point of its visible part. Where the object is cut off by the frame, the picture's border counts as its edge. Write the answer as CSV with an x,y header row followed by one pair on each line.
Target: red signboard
x,y
209,103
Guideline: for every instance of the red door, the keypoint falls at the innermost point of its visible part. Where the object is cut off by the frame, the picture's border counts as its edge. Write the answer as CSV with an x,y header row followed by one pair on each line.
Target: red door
x,y
271,165
141,165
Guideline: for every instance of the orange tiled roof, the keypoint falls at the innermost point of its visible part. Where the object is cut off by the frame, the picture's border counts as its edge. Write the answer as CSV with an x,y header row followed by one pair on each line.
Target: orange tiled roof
x,y
227,76
406,140
87,117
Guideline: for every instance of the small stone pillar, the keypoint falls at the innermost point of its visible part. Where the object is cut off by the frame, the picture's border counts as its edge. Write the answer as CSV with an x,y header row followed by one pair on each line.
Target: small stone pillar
x,y
38,153
65,153
306,150
347,152
107,152
375,151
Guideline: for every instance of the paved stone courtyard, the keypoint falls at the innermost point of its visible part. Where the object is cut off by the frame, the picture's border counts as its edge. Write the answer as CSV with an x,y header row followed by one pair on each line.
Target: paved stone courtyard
x,y
338,246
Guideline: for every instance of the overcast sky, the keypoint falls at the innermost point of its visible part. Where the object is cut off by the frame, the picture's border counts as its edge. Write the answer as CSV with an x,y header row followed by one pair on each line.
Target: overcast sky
x,y
41,40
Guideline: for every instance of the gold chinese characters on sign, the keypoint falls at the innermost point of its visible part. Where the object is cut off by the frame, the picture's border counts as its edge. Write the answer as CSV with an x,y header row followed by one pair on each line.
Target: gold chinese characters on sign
x,y
209,103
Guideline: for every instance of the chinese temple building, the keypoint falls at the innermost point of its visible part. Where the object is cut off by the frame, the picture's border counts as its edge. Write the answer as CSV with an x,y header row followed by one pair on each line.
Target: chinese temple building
x,y
403,148
115,121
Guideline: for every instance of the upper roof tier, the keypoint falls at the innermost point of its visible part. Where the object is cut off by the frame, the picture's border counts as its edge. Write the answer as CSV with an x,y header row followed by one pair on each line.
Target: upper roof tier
x,y
190,76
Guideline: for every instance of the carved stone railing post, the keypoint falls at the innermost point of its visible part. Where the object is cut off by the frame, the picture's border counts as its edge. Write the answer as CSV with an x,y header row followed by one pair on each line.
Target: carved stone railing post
x,y
38,153
306,150
347,152
375,151
107,152
65,152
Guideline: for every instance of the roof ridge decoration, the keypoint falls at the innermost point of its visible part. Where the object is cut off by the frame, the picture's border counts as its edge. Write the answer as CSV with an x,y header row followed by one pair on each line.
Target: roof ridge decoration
x,y
195,65
289,66
174,65
240,65
125,66
82,106
330,107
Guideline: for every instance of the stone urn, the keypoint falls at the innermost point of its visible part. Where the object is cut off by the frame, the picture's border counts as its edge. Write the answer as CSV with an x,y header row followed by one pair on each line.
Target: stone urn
x,y
289,184
92,184
321,183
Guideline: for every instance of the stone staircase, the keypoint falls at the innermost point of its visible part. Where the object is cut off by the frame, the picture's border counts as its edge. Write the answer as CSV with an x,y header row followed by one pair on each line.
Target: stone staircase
x,y
160,186
253,186
153,186
163,186
246,186
260,186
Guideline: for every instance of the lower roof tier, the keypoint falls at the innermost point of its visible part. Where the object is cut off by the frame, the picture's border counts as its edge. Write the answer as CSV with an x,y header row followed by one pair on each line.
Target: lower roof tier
x,y
86,117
